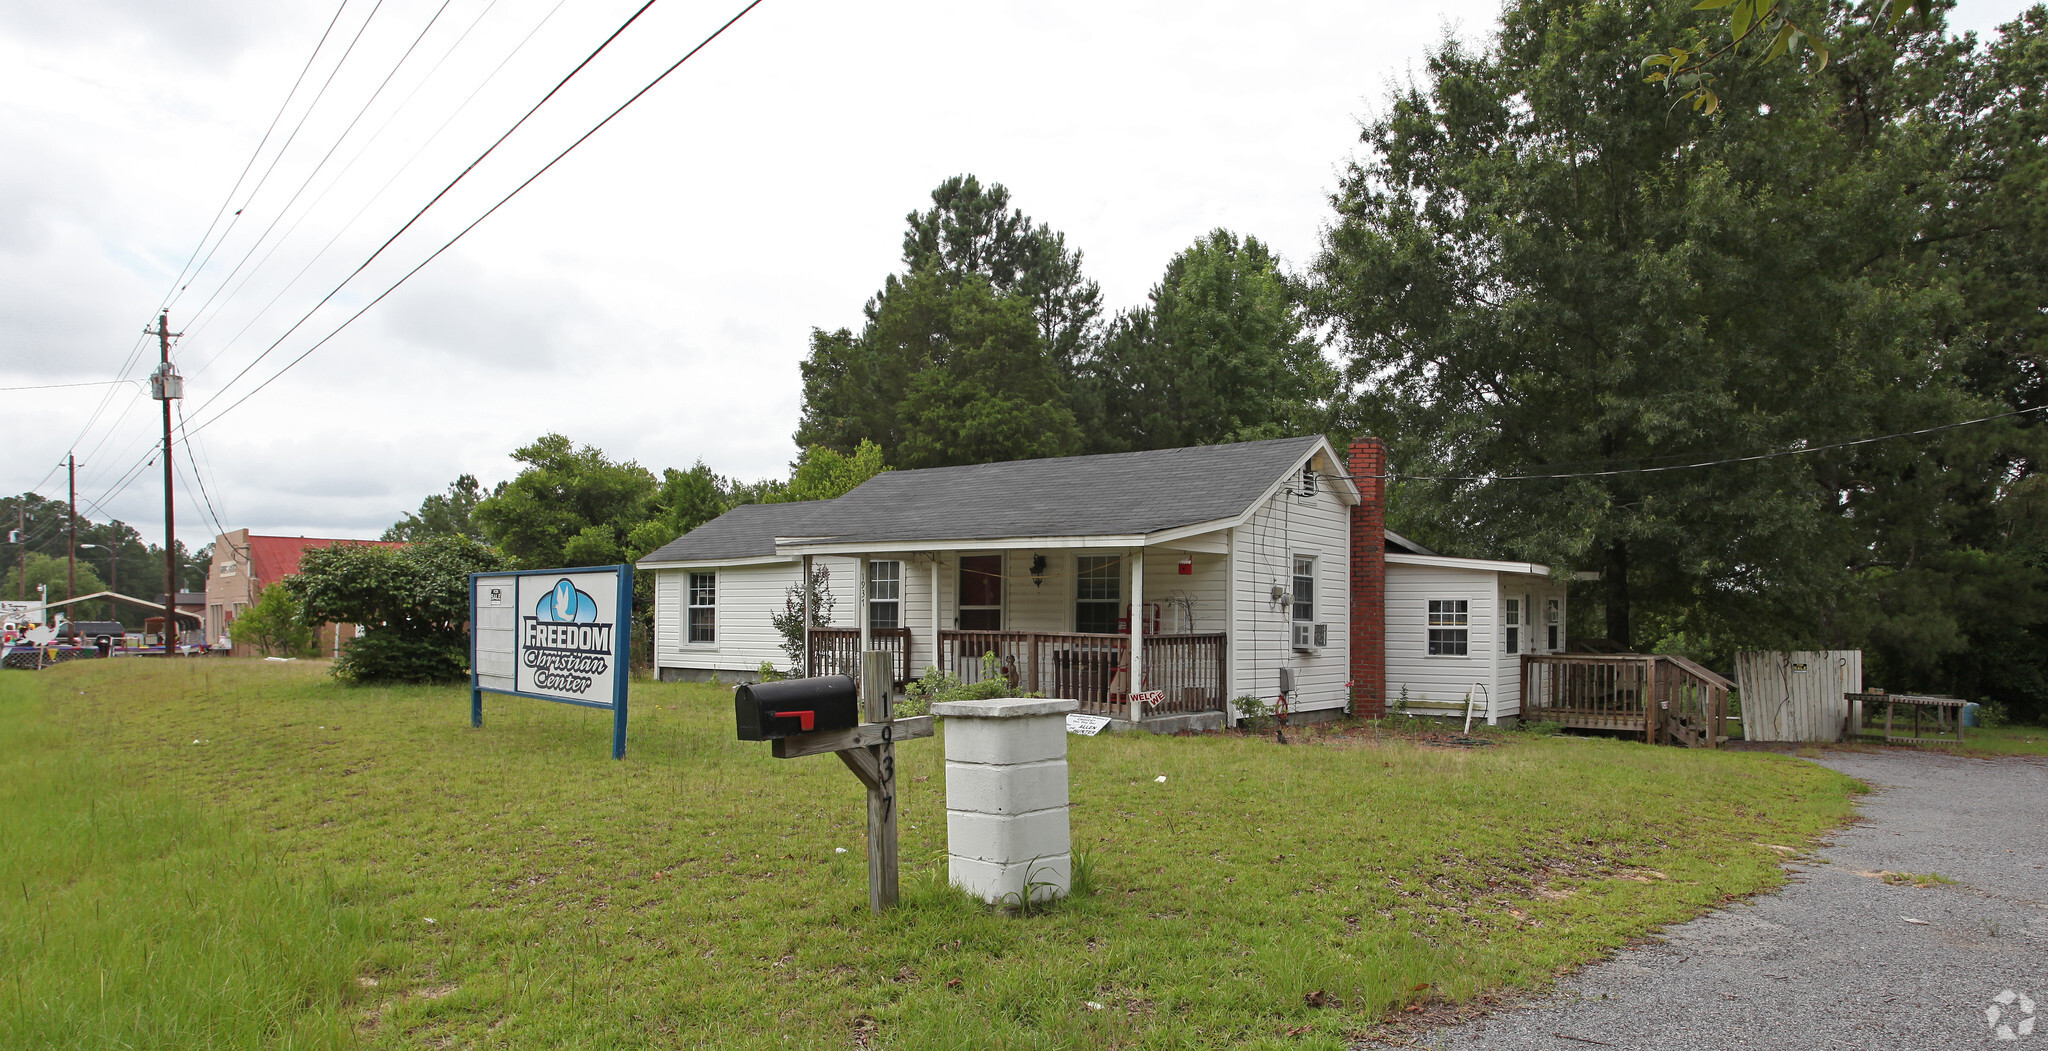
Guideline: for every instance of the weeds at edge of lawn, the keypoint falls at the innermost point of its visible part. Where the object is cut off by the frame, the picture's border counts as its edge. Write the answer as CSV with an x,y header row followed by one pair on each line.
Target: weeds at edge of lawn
x,y
130,918
693,895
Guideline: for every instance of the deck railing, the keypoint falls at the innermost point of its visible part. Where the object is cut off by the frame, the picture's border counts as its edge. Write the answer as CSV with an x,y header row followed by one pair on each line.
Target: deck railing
x,y
1187,668
1663,697
836,651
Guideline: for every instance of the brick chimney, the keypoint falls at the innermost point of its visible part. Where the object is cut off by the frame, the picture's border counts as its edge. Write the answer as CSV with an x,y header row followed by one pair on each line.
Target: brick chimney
x,y
1368,464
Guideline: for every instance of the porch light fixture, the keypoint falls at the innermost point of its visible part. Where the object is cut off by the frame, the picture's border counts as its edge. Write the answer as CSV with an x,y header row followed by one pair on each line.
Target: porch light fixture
x,y
1037,570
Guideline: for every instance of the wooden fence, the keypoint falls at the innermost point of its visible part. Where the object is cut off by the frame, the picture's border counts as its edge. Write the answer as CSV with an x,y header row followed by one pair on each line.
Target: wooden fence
x,y
1798,695
1662,697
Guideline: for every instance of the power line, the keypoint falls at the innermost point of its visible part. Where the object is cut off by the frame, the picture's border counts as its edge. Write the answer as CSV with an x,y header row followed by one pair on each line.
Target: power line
x,y
206,497
286,148
374,198
451,185
1723,461
324,158
57,386
171,294
257,152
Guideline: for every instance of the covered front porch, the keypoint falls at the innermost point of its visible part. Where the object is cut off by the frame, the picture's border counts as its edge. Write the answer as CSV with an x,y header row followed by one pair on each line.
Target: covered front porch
x,y
1056,616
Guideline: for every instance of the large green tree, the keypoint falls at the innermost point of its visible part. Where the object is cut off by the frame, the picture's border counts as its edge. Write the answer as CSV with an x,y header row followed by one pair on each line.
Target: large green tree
x,y
1541,268
567,506
1219,354
452,513
948,370
978,341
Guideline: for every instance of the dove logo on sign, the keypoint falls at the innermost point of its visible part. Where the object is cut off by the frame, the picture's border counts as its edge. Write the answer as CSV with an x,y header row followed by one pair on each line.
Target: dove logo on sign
x,y
564,647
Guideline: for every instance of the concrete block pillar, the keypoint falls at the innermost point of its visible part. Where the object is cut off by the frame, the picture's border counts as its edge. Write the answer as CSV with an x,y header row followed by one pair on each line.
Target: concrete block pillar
x,y
1006,797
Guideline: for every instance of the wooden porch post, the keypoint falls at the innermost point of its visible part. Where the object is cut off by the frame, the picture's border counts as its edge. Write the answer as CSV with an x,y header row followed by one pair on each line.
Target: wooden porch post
x,y
809,667
867,630
938,659
1137,685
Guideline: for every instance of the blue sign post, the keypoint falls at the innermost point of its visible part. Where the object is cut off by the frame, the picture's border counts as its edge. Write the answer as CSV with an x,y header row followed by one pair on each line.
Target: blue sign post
x,y
562,635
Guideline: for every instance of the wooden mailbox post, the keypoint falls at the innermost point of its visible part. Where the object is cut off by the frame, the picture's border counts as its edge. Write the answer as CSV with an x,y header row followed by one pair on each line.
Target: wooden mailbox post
x,y
869,750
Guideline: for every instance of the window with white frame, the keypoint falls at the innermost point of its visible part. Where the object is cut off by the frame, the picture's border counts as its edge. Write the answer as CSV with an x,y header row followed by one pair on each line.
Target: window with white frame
x,y
703,610
1553,618
1098,593
1304,587
885,595
1513,621
1449,627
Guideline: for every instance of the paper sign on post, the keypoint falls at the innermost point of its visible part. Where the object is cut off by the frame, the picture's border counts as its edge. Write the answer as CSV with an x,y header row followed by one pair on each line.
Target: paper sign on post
x,y
1086,725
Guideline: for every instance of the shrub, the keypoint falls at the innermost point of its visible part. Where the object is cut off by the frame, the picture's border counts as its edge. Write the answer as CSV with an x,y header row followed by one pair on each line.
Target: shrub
x,y
937,686
1257,713
412,601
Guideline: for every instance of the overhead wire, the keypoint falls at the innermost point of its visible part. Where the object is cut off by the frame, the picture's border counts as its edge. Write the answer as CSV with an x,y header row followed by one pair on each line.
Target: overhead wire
x,y
715,34
178,282
374,198
1804,450
268,169
57,386
314,173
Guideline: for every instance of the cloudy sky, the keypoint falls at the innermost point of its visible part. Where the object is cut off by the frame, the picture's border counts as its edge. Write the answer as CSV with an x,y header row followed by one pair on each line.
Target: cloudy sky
x,y
652,293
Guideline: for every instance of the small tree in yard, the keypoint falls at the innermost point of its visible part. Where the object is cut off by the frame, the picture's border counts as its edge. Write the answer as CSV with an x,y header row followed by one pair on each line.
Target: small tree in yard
x,y
275,625
790,622
412,601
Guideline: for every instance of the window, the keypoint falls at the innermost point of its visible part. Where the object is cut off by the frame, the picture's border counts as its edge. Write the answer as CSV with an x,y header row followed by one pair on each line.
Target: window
x,y
981,593
885,595
1304,588
1514,625
1098,593
1553,616
703,607
227,569
1448,627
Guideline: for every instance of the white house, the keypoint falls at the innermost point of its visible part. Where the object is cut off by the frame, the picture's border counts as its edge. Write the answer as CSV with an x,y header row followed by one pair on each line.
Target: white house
x,y
1239,558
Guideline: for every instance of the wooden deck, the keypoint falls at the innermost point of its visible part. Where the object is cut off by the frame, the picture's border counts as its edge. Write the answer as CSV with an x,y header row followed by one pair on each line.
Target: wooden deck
x,y
1664,698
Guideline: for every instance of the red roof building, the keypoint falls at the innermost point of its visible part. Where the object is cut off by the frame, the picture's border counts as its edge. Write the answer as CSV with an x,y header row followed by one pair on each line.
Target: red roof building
x,y
244,564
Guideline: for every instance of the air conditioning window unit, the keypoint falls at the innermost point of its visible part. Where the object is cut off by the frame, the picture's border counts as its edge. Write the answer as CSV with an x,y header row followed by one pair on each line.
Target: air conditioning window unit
x,y
1306,637
1322,635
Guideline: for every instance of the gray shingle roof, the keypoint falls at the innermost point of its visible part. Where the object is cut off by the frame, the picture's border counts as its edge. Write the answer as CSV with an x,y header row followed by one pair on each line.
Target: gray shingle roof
x,y
1116,494
747,531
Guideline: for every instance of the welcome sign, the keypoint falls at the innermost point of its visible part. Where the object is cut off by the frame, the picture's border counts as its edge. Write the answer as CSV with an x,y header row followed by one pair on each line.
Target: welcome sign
x,y
559,635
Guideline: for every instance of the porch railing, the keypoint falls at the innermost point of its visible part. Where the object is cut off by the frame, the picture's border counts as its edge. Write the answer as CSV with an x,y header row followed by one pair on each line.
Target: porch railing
x,y
1663,697
836,651
1187,668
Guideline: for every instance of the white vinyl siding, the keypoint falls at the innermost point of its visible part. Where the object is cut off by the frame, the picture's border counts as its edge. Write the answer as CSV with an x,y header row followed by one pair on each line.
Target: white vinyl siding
x,y
1284,528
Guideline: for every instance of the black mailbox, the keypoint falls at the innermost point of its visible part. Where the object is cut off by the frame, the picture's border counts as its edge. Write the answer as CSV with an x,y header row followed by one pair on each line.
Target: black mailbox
x,y
771,710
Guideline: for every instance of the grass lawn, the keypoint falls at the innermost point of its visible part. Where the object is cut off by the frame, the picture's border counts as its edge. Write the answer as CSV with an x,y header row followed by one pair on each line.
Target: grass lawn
x,y
204,853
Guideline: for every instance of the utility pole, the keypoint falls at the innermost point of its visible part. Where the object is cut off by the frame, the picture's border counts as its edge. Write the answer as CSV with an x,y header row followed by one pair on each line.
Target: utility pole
x,y
165,385
21,540
71,570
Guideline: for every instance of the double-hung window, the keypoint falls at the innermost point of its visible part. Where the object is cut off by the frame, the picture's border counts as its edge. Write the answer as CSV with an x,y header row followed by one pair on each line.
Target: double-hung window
x,y
1304,588
1449,627
1513,618
1553,618
885,595
1098,593
703,610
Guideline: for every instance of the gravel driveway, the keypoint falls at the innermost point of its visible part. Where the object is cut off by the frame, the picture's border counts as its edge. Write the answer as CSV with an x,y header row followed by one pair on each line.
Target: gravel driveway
x,y
1831,961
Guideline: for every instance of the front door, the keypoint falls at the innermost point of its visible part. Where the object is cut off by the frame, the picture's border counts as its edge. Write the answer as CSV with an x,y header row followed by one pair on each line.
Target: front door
x,y
981,592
